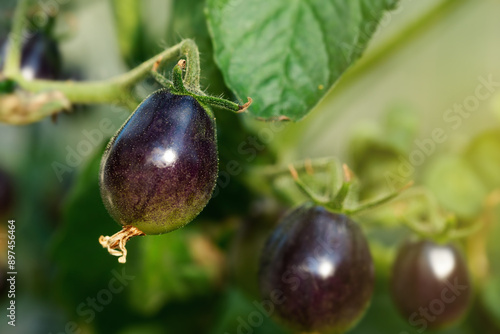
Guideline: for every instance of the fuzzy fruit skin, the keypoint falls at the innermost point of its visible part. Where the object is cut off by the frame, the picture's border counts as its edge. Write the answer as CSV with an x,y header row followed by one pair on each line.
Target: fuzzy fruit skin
x,y
158,172
430,276
321,264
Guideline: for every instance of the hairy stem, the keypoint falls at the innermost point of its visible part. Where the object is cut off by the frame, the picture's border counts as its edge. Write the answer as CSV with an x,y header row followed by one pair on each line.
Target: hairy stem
x,y
116,90
192,78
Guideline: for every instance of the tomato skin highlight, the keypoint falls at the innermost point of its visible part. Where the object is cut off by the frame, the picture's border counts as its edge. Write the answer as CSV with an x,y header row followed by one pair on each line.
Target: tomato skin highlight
x,y
158,172
320,263
431,284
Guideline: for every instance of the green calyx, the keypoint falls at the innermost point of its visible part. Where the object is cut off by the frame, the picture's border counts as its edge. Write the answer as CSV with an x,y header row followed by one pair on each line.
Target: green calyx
x,y
185,81
342,192
426,219
417,209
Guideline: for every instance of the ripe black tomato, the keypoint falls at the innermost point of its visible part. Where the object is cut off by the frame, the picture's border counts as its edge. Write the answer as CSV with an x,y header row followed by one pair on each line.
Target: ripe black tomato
x,y
317,270
159,170
430,284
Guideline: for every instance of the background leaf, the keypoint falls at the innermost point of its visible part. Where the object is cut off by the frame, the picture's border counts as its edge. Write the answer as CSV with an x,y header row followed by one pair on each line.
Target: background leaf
x,y
288,53
181,272
243,315
484,155
456,185
76,250
426,68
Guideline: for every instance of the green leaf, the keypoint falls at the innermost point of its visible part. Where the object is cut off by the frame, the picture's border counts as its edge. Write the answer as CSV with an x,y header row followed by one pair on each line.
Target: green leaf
x,y
83,266
401,127
174,266
491,298
242,315
286,54
188,21
490,290
484,156
127,14
376,149
456,185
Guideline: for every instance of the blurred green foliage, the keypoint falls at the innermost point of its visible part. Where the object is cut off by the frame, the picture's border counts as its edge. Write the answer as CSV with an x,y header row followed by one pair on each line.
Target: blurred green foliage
x,y
203,278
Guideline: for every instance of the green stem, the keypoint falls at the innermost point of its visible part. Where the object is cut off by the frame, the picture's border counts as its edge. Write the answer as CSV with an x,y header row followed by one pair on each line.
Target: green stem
x,y
338,200
220,103
192,79
317,199
115,90
78,92
278,170
177,79
13,56
335,182
163,81
103,91
372,204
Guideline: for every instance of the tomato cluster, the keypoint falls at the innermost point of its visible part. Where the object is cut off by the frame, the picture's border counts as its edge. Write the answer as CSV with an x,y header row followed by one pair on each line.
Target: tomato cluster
x,y
319,265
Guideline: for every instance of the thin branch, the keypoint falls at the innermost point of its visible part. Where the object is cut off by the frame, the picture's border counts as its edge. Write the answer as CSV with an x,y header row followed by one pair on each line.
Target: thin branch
x,y
102,91
114,90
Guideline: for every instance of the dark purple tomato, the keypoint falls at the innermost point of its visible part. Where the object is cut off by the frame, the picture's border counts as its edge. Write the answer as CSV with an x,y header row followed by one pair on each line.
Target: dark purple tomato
x,y
430,284
158,172
317,270
40,57
6,194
